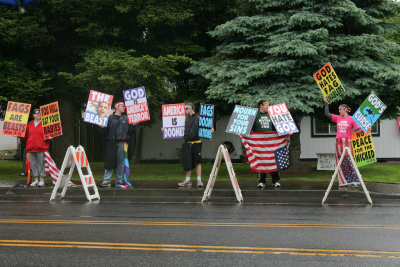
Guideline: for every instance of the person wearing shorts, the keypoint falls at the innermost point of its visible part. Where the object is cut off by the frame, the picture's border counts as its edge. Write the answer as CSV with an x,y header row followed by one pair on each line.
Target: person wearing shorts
x,y
191,148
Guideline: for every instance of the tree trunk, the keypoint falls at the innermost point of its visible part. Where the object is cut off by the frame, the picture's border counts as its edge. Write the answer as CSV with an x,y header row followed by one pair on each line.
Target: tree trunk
x,y
60,144
295,149
137,156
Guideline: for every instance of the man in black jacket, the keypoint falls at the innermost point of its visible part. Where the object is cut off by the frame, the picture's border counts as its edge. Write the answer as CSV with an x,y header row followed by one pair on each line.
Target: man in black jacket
x,y
117,132
191,148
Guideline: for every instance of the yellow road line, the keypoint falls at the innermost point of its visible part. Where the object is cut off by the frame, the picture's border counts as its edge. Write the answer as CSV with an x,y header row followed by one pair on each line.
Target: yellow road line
x,y
198,248
204,224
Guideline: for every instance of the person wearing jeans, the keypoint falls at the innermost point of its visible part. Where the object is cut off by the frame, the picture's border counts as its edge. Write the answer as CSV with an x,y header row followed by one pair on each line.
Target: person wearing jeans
x,y
117,132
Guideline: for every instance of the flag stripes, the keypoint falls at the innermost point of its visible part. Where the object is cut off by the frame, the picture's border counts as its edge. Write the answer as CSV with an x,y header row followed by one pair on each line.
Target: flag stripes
x,y
260,148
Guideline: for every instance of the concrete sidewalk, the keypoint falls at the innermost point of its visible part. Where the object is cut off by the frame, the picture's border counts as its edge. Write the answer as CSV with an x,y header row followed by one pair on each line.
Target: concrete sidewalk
x,y
245,185
167,191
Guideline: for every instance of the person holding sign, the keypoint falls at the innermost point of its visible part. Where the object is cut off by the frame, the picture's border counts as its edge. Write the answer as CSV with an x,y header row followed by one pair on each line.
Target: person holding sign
x,y
36,146
191,148
117,132
344,127
263,123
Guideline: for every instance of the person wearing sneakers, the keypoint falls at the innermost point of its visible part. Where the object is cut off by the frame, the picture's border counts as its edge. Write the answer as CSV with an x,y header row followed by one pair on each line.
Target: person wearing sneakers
x,y
263,123
36,146
117,132
191,148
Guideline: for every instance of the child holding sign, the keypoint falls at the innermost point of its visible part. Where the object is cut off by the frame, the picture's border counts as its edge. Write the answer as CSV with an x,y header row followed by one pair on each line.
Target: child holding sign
x,y
345,125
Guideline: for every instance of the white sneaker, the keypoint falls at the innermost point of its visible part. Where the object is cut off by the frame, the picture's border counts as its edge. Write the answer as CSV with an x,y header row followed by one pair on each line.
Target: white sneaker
x,y
34,183
199,183
41,183
261,185
185,183
277,185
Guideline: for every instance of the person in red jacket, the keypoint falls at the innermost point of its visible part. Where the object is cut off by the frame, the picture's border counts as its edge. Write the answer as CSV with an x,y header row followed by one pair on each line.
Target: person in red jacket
x,y
36,146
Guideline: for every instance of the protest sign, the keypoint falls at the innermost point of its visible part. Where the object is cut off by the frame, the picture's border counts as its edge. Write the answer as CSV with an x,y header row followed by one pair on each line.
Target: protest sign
x,y
369,112
51,120
363,148
329,83
98,108
206,121
137,109
242,120
282,119
17,115
173,121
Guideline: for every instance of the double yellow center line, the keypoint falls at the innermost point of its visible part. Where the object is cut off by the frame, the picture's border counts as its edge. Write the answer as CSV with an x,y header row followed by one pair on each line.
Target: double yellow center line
x,y
203,224
195,248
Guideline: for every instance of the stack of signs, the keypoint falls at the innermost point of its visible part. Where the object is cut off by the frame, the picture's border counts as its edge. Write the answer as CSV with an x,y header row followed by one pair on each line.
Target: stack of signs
x,y
329,83
363,148
16,118
206,120
51,120
98,108
282,119
242,120
137,109
369,112
173,121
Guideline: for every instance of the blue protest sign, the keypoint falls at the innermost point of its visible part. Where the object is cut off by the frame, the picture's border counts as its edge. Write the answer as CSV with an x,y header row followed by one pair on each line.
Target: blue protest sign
x,y
242,120
369,112
206,120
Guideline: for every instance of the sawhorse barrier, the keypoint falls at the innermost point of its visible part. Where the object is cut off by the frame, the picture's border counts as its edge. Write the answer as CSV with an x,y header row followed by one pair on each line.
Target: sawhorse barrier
x,y
358,175
75,157
222,152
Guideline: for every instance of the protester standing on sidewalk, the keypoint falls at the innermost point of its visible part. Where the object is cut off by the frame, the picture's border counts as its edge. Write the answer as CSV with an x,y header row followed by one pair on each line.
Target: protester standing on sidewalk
x,y
191,148
263,123
344,126
36,146
117,132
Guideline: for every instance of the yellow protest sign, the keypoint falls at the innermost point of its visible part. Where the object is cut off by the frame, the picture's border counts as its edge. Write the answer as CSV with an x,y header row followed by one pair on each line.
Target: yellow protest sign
x,y
329,83
51,120
363,148
17,115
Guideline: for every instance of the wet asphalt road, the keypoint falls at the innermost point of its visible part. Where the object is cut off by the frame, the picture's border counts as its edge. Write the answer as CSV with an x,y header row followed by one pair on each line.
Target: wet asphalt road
x,y
122,232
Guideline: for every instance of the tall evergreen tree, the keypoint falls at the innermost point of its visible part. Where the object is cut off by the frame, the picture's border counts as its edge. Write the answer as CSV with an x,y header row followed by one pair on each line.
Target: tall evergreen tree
x,y
273,47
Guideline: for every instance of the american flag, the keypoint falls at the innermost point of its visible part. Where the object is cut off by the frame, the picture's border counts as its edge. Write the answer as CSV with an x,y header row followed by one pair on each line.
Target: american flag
x,y
282,158
50,168
260,148
349,172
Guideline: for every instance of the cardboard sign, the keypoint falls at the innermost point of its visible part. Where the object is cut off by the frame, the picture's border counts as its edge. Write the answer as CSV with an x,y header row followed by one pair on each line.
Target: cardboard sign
x,y
363,148
329,83
51,120
136,105
17,115
369,112
242,120
98,108
282,119
206,121
173,117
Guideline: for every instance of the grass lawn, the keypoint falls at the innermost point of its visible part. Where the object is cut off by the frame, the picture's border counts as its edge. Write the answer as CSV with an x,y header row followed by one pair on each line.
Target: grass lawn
x,y
378,172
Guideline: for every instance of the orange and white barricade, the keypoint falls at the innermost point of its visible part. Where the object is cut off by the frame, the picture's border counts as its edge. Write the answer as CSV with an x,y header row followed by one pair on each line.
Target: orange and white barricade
x,y
75,157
